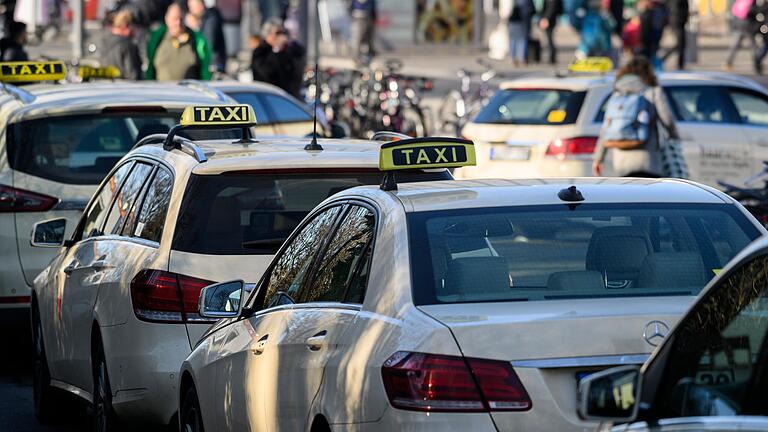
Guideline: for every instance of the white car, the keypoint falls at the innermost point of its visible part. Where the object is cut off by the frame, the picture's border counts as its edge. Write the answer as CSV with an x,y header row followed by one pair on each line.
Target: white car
x,y
548,126
455,306
59,141
115,313
710,372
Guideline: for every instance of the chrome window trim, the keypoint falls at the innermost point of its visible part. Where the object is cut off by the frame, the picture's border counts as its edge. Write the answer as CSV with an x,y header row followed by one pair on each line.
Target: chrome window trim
x,y
564,362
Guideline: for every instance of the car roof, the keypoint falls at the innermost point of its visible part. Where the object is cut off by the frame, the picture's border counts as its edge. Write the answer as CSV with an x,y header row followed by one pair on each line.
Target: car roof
x,y
281,154
456,194
256,86
580,82
90,97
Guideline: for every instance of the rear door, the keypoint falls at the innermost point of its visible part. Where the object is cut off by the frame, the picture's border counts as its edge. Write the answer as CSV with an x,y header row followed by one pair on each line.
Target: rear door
x,y
752,108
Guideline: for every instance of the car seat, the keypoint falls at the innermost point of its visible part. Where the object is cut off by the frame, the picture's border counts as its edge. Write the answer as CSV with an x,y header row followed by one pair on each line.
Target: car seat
x,y
617,253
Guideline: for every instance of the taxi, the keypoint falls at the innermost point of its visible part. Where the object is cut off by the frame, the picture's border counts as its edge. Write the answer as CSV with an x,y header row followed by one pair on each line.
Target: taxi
x,y
58,142
115,312
443,305
548,126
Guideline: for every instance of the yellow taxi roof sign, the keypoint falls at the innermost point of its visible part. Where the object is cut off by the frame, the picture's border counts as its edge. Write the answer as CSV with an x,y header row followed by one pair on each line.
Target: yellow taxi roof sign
x,y
103,72
218,115
426,153
32,71
592,64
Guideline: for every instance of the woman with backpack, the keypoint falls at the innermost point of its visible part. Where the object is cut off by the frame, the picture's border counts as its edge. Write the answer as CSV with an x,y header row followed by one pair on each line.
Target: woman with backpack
x,y
636,116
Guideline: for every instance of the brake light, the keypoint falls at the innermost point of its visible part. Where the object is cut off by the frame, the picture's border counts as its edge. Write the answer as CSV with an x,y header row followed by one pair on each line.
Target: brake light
x,y
14,200
431,382
579,146
160,296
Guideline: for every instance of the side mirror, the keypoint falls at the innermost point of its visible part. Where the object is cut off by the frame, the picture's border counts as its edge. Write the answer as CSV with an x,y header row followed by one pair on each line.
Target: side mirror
x,y
610,395
48,233
222,300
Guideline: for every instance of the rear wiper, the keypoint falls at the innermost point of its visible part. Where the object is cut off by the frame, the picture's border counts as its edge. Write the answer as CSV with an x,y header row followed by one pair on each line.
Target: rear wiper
x,y
273,243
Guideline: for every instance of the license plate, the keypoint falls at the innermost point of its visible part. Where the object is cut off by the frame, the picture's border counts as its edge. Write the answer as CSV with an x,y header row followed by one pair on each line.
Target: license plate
x,y
510,153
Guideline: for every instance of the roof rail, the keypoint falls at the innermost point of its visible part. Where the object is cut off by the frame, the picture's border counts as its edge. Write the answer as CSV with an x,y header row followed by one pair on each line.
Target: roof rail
x,y
389,136
17,93
185,145
205,88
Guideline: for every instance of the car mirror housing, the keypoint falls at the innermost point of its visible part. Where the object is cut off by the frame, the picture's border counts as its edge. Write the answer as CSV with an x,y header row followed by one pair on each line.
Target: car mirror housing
x,y
610,395
222,300
49,233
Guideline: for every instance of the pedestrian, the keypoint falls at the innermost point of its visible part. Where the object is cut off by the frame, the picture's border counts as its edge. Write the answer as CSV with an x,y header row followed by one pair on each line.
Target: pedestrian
x,y
175,52
678,19
758,17
653,19
742,29
278,59
12,45
208,21
596,29
362,27
119,49
548,21
520,30
631,129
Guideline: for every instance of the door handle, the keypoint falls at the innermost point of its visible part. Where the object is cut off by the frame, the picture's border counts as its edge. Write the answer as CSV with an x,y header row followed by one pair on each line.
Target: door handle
x,y
260,345
70,268
99,265
316,342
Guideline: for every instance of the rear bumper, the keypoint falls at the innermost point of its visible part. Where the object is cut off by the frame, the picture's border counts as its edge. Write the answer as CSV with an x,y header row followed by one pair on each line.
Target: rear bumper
x,y
413,421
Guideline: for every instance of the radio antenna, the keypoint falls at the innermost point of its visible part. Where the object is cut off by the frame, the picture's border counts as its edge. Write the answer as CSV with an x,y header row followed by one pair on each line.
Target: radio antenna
x,y
313,145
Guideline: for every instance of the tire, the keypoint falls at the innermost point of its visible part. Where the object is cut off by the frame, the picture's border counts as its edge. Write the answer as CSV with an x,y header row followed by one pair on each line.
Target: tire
x,y
191,418
104,418
46,398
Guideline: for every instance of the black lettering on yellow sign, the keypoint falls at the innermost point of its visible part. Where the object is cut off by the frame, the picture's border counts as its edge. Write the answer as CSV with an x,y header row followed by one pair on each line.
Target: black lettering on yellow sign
x,y
31,71
429,155
227,114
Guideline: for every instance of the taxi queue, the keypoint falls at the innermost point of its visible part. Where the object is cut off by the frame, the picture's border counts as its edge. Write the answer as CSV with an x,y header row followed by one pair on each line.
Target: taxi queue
x,y
225,281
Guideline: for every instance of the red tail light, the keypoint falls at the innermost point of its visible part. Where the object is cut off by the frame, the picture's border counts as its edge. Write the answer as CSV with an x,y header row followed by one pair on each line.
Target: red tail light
x,y
160,296
14,200
430,382
579,146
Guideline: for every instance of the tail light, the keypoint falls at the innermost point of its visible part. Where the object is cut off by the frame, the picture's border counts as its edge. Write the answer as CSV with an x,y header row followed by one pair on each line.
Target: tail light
x,y
165,297
14,200
579,146
430,382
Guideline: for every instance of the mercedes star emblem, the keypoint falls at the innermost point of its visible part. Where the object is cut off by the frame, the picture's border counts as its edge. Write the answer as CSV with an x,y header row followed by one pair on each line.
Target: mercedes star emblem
x,y
655,332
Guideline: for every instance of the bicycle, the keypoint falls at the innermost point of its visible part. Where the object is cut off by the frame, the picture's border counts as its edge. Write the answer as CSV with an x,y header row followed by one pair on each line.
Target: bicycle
x,y
460,105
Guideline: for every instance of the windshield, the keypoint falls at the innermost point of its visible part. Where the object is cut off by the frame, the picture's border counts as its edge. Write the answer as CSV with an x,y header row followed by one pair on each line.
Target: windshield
x,y
252,214
532,107
553,252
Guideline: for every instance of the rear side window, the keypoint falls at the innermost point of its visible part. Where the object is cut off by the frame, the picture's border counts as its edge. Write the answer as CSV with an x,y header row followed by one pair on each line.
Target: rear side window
x,y
252,214
752,106
127,196
99,207
284,110
532,107
552,252
253,99
155,207
703,104
79,149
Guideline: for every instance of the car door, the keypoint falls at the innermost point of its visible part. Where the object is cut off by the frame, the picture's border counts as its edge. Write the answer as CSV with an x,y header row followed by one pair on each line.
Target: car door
x,y
78,284
716,362
714,145
317,323
244,358
752,108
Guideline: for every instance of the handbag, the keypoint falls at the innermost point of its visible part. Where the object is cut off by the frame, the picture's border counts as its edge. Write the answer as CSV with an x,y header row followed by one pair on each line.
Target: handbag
x,y
672,160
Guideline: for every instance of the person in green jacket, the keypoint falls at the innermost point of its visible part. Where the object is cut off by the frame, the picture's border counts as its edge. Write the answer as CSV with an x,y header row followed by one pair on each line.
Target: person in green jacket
x,y
175,52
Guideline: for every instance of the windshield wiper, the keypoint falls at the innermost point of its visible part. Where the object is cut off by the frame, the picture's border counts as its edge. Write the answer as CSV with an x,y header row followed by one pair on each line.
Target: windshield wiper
x,y
272,243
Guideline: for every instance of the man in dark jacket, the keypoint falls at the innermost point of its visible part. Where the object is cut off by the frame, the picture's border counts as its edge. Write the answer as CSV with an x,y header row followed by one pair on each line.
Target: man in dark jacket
x,y
119,49
678,14
549,16
277,59
12,46
208,21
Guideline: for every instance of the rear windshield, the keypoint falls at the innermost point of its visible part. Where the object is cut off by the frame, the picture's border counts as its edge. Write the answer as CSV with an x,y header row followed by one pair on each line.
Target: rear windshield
x,y
553,252
252,214
532,107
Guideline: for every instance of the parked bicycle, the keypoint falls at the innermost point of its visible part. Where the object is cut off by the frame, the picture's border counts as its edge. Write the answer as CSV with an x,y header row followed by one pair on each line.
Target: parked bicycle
x,y
754,195
460,105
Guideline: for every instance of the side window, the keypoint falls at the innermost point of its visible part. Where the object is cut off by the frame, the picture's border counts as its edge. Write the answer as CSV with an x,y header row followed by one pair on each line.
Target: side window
x,y
285,110
344,259
752,106
703,104
718,349
289,270
97,212
126,197
155,206
253,99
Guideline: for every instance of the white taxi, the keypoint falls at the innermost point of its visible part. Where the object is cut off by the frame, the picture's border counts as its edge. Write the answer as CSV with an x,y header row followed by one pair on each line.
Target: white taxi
x,y
455,306
548,126
115,312
58,142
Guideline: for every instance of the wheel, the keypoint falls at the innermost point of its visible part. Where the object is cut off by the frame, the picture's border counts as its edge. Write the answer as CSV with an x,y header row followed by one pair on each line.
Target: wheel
x,y
191,419
104,419
45,397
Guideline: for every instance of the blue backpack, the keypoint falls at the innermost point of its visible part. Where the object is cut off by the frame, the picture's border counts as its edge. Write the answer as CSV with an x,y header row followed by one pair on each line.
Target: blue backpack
x,y
628,121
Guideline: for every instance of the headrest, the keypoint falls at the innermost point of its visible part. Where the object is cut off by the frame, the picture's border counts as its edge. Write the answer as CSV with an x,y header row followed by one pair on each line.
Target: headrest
x,y
617,249
673,270
575,281
477,275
